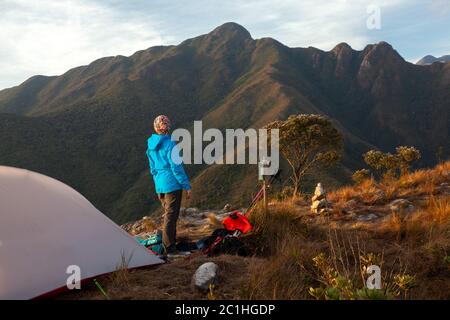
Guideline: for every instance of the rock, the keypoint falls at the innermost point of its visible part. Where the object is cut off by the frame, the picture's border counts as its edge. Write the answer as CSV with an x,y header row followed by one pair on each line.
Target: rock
x,y
191,211
228,207
127,227
367,217
319,190
205,275
138,227
319,200
318,197
317,205
401,205
444,187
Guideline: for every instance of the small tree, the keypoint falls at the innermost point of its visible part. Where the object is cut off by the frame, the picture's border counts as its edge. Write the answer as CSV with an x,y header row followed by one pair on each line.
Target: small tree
x,y
406,156
374,159
360,175
392,163
307,141
386,163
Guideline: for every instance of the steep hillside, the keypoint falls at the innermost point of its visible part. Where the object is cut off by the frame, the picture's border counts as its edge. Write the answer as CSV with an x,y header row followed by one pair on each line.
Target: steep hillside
x,y
88,127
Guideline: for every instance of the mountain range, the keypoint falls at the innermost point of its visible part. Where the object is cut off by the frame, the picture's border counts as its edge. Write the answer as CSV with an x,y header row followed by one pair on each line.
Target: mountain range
x,y
88,127
432,59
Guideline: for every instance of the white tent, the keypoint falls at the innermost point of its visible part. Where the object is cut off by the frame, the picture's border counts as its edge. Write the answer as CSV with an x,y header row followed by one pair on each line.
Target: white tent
x,y
45,227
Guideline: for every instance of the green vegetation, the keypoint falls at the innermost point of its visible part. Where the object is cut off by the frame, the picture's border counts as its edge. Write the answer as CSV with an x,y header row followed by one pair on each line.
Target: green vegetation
x,y
390,165
307,141
88,127
360,175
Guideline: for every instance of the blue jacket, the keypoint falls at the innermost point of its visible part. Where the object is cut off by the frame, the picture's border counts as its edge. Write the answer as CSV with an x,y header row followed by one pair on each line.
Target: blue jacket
x,y
167,175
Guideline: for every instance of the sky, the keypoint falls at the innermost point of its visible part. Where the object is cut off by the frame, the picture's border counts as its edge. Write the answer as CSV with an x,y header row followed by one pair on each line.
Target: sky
x,y
49,37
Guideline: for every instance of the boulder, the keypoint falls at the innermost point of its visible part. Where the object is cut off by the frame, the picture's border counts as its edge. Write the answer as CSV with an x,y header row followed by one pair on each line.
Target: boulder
x,y
205,275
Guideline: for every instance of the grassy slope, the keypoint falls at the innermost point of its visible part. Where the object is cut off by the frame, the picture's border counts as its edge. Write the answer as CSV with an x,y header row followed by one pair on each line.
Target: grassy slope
x,y
322,252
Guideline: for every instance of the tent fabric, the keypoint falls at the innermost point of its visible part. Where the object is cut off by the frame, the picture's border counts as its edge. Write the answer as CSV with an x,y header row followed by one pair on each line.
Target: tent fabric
x,y
45,227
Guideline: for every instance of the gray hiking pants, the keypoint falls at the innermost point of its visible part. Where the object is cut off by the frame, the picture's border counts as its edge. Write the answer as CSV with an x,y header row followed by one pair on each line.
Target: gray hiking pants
x,y
171,204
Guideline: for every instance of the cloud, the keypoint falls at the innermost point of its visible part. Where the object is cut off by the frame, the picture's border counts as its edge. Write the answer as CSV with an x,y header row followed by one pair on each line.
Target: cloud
x,y
51,36
321,24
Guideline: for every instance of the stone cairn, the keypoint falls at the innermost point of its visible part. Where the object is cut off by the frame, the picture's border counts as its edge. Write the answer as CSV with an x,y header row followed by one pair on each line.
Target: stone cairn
x,y
320,205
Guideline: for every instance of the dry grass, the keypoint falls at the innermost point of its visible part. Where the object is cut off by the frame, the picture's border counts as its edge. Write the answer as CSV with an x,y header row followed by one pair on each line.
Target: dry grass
x,y
302,256
368,192
121,277
271,228
413,248
423,182
407,249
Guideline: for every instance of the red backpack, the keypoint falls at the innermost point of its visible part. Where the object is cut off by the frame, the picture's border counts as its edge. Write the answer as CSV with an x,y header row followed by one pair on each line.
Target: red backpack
x,y
237,221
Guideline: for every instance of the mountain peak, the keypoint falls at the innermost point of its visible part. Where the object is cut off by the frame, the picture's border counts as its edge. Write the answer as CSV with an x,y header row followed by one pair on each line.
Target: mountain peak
x,y
342,50
381,51
342,46
429,59
231,29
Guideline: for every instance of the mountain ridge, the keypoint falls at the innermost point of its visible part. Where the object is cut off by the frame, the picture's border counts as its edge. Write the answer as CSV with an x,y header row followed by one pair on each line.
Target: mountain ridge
x,y
430,59
98,116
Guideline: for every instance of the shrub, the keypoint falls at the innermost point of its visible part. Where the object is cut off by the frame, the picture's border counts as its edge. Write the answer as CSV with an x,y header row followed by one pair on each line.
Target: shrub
x,y
360,175
388,165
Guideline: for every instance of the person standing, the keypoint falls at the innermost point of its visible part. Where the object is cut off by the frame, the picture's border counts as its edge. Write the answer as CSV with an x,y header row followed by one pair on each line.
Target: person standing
x,y
169,177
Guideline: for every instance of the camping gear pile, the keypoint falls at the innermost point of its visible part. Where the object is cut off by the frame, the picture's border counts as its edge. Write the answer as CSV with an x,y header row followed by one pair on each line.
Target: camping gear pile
x,y
224,240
